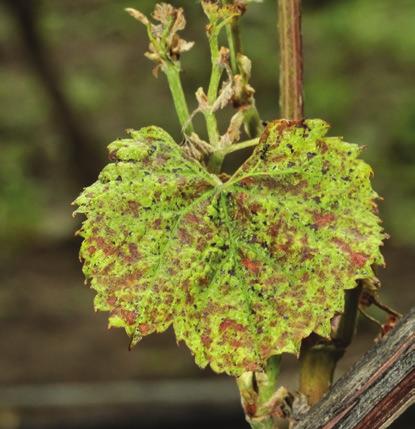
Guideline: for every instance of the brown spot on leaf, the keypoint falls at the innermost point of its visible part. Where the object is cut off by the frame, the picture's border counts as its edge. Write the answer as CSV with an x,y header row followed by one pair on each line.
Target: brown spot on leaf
x,y
184,236
275,228
255,208
247,181
192,218
133,207
284,125
134,253
306,253
105,246
322,145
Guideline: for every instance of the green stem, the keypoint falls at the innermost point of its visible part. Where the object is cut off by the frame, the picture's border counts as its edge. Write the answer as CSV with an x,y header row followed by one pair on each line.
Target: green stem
x,y
318,359
215,77
215,161
317,366
217,157
234,40
260,396
232,32
243,145
173,77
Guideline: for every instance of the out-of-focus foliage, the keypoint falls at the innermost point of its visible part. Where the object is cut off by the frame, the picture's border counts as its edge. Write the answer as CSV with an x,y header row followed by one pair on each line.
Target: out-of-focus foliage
x,y
360,75
19,200
359,68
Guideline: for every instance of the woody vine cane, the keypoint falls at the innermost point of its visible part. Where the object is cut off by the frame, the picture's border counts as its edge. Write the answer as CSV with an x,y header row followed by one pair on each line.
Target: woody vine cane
x,y
243,265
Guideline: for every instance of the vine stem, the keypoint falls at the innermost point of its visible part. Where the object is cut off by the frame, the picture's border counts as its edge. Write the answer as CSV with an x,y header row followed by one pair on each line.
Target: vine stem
x,y
216,74
176,88
217,157
242,145
291,59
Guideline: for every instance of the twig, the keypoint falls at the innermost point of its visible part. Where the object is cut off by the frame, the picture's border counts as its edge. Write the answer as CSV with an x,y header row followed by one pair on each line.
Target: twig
x,y
386,308
369,317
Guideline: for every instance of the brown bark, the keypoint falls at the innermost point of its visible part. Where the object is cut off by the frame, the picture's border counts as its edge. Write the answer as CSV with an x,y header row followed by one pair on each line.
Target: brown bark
x,y
376,390
291,59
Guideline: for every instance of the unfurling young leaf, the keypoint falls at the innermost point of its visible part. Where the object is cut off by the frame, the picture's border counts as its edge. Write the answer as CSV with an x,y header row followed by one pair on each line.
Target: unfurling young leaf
x,y
243,269
165,44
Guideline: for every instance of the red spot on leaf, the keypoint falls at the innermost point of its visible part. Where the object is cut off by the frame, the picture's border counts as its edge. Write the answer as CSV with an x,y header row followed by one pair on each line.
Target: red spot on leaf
x,y
247,181
129,316
322,220
305,277
184,236
206,340
388,326
134,253
231,324
297,188
112,300
255,208
192,218
106,247
265,351
342,245
250,366
144,328
250,265
285,124
274,229
236,343
358,259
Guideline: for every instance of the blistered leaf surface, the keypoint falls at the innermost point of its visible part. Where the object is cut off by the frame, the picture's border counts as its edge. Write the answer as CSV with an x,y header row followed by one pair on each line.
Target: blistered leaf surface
x,y
243,269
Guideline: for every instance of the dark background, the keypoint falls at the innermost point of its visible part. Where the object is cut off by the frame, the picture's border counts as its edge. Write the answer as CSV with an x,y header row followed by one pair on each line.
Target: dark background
x,y
72,79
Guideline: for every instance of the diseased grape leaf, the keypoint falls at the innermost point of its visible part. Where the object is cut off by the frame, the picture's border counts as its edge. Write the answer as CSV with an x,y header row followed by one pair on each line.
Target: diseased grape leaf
x,y
244,269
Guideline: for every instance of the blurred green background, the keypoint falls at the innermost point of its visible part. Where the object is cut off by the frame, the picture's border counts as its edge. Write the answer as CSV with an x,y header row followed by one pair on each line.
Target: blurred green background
x,y
73,78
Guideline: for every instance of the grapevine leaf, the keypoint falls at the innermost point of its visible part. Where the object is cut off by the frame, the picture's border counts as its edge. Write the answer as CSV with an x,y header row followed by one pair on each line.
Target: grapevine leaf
x,y
243,269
